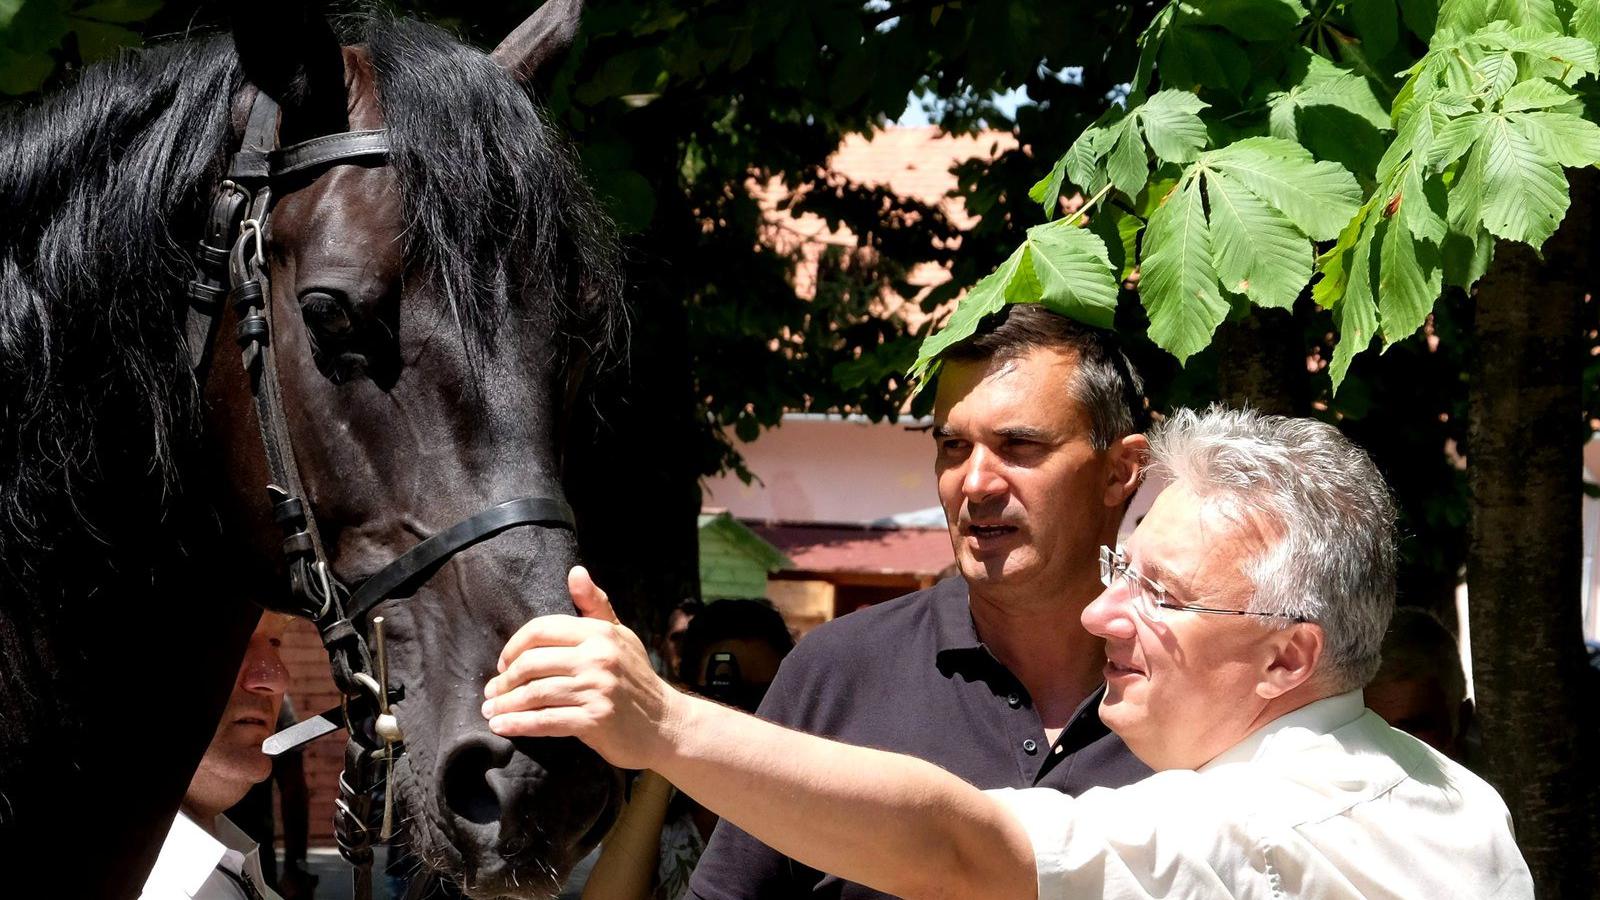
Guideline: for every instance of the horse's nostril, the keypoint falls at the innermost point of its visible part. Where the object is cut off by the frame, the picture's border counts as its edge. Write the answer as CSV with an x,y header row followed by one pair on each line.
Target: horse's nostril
x,y
468,792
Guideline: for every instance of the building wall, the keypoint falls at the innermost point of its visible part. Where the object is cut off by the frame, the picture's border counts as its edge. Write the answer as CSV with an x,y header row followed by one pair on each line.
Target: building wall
x,y
831,469
311,688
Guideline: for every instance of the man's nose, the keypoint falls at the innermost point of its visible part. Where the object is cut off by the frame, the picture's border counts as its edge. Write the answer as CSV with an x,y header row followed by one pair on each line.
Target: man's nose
x,y
1110,615
263,670
983,479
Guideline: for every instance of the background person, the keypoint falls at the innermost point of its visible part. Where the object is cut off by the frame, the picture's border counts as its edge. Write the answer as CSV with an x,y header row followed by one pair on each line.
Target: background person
x,y
1420,687
989,675
1240,621
731,653
205,856
669,650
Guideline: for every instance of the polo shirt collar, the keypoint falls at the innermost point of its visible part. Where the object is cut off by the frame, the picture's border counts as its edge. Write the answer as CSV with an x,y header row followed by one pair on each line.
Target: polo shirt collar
x,y
953,628
1316,718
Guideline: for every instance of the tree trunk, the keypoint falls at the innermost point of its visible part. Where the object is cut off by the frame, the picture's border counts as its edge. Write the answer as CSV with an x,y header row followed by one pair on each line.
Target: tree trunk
x,y
1525,555
1261,363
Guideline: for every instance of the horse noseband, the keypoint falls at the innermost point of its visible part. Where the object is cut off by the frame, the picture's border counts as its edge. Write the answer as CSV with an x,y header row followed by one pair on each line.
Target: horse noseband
x,y
231,267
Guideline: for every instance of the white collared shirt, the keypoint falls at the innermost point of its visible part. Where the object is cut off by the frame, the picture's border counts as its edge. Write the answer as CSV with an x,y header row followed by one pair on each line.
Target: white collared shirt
x,y
1327,801
191,862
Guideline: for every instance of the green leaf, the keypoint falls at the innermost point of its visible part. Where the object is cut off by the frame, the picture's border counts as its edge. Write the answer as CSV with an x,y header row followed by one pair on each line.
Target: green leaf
x,y
1355,313
1259,253
1178,279
1150,44
1082,156
1335,263
120,11
1420,16
1193,58
23,73
986,298
98,41
1539,43
1022,283
8,11
1253,20
1499,73
1417,127
1171,125
1525,193
1128,231
1357,321
1540,14
1409,280
1322,84
1536,93
1454,139
1047,191
1127,165
1467,192
1118,231
1075,273
1466,257
1318,197
1377,23
1568,139
1586,20
1422,205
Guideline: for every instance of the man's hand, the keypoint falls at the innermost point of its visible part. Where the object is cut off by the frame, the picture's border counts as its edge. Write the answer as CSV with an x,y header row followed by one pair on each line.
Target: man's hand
x,y
589,678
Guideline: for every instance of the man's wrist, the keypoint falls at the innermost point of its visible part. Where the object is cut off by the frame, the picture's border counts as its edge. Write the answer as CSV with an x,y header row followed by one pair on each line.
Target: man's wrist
x,y
680,724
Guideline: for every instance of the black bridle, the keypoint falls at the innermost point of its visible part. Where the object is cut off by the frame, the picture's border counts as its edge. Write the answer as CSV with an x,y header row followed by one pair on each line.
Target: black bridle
x,y
231,268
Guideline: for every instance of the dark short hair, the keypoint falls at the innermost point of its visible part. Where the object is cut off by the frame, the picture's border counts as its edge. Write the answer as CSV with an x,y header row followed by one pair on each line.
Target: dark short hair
x,y
728,620
1105,382
1418,645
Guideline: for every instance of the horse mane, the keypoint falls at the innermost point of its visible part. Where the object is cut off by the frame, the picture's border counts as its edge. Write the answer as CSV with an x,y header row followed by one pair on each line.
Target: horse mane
x,y
104,189
498,215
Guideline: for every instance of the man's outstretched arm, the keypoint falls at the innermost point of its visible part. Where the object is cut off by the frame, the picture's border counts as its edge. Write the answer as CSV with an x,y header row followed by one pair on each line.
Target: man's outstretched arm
x,y
894,822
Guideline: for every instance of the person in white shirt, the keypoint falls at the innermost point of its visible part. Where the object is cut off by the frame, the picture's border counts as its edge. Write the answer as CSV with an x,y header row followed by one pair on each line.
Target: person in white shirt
x,y
1241,621
205,857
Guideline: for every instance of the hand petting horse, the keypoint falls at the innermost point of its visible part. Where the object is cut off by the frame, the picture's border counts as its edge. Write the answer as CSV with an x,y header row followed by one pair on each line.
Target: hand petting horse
x,y
288,322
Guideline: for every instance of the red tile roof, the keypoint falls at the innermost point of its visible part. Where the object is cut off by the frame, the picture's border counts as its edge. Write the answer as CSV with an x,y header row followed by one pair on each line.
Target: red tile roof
x,y
847,548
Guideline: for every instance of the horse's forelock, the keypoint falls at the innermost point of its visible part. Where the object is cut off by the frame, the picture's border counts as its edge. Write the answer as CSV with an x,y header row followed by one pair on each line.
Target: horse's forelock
x,y
498,215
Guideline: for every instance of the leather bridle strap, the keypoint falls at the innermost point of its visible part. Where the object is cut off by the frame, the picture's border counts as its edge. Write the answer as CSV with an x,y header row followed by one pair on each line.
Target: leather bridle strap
x,y
344,148
420,562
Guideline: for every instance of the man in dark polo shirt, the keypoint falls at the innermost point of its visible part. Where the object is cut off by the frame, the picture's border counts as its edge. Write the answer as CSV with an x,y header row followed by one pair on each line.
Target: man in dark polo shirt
x,y
990,675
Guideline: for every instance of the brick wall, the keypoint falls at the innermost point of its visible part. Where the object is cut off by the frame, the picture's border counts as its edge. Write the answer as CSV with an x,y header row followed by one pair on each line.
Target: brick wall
x,y
312,690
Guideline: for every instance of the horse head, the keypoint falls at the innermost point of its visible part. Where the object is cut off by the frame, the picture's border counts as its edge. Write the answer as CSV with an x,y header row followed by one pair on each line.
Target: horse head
x,y
423,312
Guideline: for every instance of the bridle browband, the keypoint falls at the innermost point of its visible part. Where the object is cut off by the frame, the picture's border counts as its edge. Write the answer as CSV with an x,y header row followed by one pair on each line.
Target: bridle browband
x,y
231,268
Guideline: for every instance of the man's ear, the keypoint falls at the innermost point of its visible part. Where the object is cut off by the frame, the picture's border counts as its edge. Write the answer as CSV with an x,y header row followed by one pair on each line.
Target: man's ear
x,y
1297,650
1125,469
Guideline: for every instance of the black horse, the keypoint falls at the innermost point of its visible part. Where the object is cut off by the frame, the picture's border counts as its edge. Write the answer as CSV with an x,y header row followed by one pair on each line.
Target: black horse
x,y
427,312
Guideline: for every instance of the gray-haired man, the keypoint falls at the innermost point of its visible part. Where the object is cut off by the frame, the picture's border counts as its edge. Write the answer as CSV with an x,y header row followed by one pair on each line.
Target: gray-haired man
x,y
1240,622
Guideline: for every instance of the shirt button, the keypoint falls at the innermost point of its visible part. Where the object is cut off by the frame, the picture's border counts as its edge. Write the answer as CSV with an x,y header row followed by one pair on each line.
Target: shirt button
x,y
1030,746
1013,701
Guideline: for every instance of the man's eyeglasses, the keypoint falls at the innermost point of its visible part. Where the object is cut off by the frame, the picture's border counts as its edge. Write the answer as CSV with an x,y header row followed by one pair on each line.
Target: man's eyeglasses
x,y
1151,600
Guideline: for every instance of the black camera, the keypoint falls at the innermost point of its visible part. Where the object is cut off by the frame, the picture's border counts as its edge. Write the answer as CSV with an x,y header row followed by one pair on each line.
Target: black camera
x,y
725,684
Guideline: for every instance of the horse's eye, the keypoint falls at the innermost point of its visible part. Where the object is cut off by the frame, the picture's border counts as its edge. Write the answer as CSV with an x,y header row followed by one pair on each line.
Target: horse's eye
x,y
325,315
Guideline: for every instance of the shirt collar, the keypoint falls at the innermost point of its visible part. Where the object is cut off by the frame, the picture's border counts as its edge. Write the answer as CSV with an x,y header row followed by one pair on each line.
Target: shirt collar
x,y
951,608
1316,718
190,854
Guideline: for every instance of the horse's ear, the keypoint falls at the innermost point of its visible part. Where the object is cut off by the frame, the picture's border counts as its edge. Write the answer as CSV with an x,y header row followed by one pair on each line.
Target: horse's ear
x,y
290,52
541,40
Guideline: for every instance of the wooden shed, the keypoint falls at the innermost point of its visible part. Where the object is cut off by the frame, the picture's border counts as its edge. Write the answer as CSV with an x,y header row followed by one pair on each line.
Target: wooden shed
x,y
735,561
